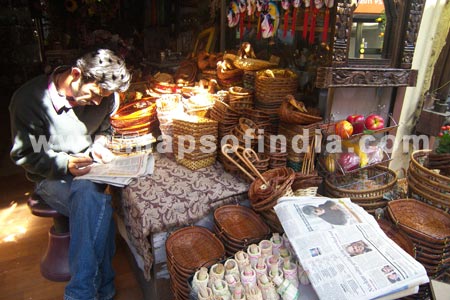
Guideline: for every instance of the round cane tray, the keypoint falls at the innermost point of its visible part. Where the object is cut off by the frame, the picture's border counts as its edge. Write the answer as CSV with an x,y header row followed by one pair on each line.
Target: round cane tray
x,y
193,247
240,223
397,236
420,220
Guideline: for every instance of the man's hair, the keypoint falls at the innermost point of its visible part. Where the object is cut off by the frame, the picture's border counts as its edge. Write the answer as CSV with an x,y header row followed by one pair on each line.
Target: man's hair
x,y
308,209
106,68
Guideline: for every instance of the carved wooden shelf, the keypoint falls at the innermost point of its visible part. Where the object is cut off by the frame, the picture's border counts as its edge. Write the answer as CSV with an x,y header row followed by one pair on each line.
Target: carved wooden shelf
x,y
364,77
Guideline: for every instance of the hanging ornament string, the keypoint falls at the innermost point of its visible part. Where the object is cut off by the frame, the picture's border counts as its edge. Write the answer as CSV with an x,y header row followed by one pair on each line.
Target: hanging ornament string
x,y
270,20
261,5
315,10
326,21
233,14
306,18
242,10
285,4
296,5
251,7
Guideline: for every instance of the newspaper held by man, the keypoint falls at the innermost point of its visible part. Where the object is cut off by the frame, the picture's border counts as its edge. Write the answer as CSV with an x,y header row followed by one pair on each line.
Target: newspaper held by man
x,y
345,252
121,170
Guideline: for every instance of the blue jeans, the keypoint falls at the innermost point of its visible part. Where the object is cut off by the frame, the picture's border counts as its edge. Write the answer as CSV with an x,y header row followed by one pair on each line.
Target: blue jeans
x,y
92,235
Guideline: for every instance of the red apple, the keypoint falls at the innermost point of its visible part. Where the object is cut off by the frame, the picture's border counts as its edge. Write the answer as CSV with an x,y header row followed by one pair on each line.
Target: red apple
x,y
357,122
374,122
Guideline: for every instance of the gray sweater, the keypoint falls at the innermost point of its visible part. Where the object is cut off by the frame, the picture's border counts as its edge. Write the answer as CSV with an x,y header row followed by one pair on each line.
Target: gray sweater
x,y
43,138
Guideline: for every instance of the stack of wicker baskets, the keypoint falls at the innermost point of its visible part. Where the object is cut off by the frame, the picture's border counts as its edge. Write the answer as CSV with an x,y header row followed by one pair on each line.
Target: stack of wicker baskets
x,y
428,185
296,148
261,119
166,107
428,228
240,98
276,149
187,250
198,105
135,118
229,78
263,194
271,88
365,187
238,227
189,131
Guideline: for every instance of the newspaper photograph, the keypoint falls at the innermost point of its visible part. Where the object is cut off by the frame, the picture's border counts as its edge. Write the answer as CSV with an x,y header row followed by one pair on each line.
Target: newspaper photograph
x,y
345,252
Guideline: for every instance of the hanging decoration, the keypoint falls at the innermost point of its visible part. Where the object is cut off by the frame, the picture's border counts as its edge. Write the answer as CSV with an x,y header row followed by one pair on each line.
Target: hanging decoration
x,y
285,4
261,6
233,14
270,20
242,10
306,18
326,21
251,9
295,5
315,10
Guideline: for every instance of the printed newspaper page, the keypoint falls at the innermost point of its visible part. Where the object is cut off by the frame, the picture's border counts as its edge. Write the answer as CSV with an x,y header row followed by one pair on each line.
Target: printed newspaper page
x,y
345,252
121,170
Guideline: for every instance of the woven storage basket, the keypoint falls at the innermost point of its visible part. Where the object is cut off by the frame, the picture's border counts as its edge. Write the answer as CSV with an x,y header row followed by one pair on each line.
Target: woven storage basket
x,y
230,74
399,237
249,79
289,114
430,186
420,220
134,113
240,97
274,89
385,177
240,224
193,247
264,197
197,163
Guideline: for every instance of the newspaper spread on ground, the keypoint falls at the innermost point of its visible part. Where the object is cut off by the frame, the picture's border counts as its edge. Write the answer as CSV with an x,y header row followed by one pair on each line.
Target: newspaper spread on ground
x,y
121,170
345,252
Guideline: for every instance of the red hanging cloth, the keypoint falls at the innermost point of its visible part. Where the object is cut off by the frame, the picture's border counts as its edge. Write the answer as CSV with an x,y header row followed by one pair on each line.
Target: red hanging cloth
x,y
296,5
285,4
315,10
326,21
306,19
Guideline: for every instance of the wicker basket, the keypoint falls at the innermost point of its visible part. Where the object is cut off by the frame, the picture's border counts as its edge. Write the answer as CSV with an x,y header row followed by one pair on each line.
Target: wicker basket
x,y
427,184
421,220
240,224
197,162
264,197
240,98
397,236
272,90
386,178
187,250
249,79
193,247
290,115
229,74
194,126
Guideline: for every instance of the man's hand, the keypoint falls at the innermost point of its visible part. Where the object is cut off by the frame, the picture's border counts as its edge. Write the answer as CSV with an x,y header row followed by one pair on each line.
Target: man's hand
x,y
101,153
80,165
